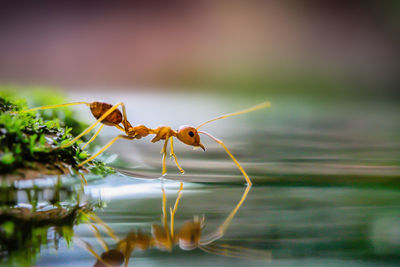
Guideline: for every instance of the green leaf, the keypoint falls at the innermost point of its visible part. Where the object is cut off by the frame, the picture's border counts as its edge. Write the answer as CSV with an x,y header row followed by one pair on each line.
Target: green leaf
x,y
64,142
7,158
32,143
83,155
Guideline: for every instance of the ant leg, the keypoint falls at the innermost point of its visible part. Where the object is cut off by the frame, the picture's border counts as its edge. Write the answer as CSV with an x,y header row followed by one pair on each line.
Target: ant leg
x,y
55,106
120,128
108,112
222,229
104,148
164,204
94,136
90,248
125,119
83,179
171,153
127,252
165,219
164,152
99,237
230,154
173,211
92,216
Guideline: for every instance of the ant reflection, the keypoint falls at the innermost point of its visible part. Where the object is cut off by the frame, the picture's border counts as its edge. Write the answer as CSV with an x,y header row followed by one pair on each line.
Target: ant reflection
x,y
163,237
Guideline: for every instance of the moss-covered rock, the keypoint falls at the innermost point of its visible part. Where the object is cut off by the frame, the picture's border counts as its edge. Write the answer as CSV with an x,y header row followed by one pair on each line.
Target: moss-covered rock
x,y
30,143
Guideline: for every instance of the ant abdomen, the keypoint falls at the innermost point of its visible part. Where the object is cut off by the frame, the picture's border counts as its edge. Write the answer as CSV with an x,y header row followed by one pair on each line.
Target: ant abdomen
x,y
99,108
110,258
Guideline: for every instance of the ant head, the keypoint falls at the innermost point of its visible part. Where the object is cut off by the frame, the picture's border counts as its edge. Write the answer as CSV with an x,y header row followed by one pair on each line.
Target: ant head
x,y
188,135
189,234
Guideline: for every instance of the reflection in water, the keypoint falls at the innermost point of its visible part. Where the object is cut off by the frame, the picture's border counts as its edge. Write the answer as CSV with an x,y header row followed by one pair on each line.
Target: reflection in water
x,y
164,237
36,216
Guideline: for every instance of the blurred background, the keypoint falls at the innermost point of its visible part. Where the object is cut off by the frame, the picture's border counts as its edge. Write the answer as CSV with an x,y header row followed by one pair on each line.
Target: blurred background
x,y
324,48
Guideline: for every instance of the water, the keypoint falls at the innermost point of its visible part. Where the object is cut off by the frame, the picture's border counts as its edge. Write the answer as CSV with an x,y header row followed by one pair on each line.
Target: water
x,y
326,185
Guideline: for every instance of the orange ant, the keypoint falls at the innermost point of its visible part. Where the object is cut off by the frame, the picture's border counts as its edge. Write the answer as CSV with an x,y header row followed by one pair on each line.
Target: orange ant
x,y
110,115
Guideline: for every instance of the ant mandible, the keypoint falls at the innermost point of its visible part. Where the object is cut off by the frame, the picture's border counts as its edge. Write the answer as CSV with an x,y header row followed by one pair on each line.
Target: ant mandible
x,y
110,115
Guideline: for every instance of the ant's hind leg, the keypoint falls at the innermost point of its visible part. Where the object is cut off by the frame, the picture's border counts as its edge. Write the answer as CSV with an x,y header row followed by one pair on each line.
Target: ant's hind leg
x,y
94,136
83,179
105,147
98,236
89,248
92,216
164,152
173,155
108,112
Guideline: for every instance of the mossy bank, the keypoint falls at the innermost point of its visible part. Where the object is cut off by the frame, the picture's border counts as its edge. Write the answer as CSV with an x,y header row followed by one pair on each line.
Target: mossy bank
x,y
30,141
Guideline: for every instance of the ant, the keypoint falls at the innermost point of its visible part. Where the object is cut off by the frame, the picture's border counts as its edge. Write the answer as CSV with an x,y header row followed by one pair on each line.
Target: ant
x,y
189,236
110,115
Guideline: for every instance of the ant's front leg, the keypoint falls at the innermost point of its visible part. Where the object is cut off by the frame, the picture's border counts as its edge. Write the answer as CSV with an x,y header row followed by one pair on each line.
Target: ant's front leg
x,y
173,155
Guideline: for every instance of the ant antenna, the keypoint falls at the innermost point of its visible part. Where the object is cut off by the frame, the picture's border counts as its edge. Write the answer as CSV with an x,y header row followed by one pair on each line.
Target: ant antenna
x,y
55,106
256,107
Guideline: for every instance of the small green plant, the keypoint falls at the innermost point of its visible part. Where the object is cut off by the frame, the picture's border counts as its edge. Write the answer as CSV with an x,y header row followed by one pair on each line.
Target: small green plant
x,y
29,142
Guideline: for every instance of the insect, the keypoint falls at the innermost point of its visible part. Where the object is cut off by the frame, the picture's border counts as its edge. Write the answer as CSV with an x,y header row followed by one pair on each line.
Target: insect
x,y
110,115
188,236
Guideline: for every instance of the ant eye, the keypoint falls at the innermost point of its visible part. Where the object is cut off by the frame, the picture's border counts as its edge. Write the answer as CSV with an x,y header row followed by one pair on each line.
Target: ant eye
x,y
191,134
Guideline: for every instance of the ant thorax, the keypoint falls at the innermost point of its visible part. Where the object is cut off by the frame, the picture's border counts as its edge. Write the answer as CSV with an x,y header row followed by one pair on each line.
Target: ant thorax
x,y
189,136
163,133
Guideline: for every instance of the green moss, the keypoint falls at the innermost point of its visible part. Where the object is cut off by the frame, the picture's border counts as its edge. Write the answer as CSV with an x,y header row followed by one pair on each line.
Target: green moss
x,y
30,142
